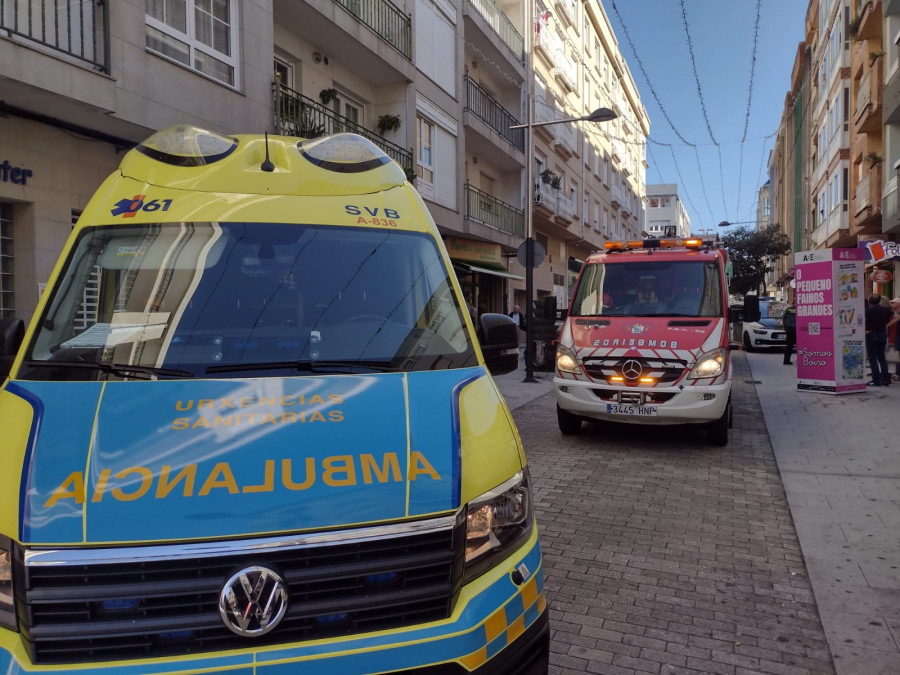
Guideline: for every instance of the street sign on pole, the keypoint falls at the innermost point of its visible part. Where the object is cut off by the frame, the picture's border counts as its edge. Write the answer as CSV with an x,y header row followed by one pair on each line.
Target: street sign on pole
x,y
539,253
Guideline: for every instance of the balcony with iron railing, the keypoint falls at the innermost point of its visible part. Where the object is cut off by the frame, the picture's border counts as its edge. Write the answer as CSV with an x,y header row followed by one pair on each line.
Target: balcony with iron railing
x,y
75,28
488,110
385,20
299,115
491,211
498,21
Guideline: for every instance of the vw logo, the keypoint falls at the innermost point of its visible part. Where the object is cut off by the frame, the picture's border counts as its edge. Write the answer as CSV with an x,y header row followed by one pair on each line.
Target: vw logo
x,y
253,601
632,369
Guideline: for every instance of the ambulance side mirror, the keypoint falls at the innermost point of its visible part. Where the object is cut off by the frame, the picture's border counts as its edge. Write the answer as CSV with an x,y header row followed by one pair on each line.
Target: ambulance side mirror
x,y
12,331
499,337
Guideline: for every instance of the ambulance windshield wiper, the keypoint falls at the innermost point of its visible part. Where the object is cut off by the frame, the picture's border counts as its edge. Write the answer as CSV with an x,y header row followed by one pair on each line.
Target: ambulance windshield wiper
x,y
118,369
332,367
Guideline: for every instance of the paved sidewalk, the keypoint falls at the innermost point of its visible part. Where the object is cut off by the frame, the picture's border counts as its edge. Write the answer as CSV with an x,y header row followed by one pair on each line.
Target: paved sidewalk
x,y
839,458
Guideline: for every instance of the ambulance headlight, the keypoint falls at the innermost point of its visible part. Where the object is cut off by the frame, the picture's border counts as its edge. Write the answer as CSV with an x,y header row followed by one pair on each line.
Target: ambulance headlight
x,y
496,523
566,361
7,609
711,364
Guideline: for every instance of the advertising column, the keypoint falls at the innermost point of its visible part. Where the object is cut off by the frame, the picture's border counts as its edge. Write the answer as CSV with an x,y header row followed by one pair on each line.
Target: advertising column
x,y
830,298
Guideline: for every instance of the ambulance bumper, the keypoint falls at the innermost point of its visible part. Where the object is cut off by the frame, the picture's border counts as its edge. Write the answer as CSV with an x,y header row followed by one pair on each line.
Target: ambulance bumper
x,y
498,628
691,405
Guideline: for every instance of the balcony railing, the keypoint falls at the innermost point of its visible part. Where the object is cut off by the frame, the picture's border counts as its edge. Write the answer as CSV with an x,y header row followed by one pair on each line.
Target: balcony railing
x,y
565,208
546,197
502,26
385,20
491,211
864,94
78,28
498,118
568,10
566,138
565,70
298,115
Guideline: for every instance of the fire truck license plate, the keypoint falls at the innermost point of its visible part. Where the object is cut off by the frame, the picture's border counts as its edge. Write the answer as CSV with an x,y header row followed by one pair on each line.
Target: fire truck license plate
x,y
630,409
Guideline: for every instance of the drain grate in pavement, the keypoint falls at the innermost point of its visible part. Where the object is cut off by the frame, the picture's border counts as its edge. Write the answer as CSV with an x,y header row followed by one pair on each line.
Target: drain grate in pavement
x,y
752,381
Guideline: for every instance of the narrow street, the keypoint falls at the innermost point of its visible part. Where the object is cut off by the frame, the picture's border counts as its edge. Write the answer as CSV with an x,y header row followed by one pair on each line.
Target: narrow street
x,y
663,554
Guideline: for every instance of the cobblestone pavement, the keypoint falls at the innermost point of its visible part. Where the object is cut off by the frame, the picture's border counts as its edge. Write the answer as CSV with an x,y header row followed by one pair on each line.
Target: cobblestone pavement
x,y
663,554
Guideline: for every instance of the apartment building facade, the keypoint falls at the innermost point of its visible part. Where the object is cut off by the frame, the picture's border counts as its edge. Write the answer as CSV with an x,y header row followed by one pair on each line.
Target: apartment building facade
x,y
667,215
589,179
834,165
436,84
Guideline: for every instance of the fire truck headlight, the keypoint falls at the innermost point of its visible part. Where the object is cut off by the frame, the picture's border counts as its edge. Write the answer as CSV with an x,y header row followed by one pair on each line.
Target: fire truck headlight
x,y
496,523
711,364
566,361
7,610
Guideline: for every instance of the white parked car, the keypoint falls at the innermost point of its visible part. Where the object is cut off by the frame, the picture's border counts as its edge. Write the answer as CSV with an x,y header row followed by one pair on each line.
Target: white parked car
x,y
768,331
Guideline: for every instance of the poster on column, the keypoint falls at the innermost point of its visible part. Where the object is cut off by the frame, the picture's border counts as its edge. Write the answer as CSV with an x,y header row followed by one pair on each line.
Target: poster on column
x,y
829,293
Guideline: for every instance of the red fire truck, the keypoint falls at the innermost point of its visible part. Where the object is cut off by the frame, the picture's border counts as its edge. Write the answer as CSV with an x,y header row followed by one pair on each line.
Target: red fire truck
x,y
646,340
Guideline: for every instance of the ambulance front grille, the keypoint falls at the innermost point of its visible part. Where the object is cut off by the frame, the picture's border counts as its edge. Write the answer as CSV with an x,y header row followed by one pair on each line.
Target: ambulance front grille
x,y
156,607
663,371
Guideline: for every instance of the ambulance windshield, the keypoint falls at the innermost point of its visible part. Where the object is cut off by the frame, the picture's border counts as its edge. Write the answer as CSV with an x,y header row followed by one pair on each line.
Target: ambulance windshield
x,y
649,288
246,300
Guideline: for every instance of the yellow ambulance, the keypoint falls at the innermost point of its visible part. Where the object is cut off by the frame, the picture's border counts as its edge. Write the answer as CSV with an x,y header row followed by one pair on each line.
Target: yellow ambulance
x,y
252,428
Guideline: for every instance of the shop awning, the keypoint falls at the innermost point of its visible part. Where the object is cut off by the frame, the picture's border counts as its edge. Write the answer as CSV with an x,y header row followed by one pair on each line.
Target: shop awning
x,y
466,267
786,277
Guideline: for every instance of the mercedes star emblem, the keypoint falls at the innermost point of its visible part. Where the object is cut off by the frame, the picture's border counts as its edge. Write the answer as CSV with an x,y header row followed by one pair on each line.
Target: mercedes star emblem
x,y
253,601
632,369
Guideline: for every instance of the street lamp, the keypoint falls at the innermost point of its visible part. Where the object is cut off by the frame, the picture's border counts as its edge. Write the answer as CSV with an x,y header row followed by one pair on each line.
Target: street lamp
x,y
725,223
599,115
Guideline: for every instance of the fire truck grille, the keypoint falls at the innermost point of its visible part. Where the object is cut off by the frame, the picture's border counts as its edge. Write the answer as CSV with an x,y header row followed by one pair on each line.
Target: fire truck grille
x,y
156,607
663,371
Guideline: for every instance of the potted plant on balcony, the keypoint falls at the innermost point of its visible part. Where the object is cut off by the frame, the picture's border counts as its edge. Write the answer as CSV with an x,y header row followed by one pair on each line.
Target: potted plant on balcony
x,y
328,95
388,122
546,176
873,158
556,181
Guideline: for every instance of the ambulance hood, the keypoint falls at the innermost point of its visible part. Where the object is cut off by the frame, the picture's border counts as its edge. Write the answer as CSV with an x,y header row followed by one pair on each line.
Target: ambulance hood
x,y
132,462
657,335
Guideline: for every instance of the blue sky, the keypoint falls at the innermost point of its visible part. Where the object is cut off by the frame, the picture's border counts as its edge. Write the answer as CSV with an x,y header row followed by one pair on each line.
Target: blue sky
x,y
720,174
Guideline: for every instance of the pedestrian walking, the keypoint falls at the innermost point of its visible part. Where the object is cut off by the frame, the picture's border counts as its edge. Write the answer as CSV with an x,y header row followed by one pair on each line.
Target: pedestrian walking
x,y
790,333
878,317
518,317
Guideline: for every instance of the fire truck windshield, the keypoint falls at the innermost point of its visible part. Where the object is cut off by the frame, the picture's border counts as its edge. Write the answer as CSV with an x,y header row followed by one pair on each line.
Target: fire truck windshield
x,y
649,288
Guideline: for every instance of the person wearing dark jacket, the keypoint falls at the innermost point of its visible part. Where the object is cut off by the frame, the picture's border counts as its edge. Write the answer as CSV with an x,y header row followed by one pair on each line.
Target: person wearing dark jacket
x,y
790,333
877,318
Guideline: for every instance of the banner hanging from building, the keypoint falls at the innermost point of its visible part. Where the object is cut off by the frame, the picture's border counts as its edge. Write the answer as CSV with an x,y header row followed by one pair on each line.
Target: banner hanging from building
x,y
830,298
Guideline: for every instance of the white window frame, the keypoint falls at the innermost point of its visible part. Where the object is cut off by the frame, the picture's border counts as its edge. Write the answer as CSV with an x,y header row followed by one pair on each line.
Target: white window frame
x,y
194,45
422,166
